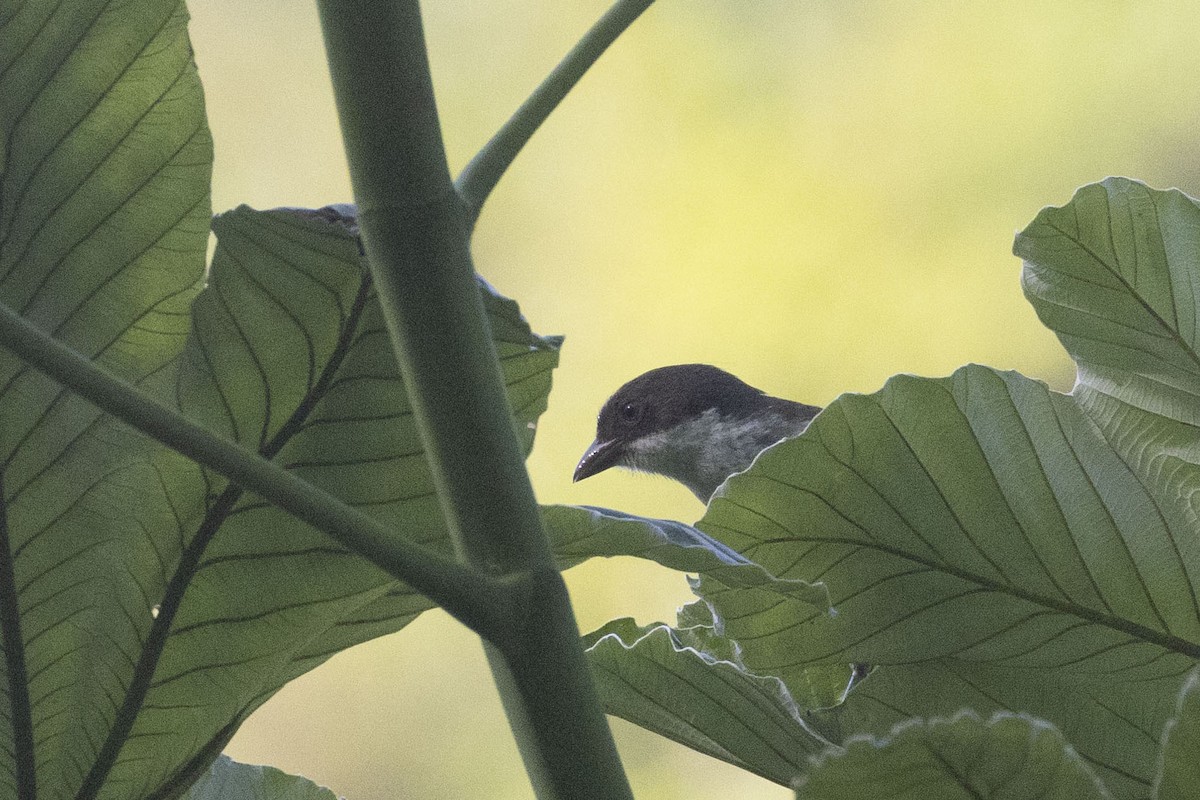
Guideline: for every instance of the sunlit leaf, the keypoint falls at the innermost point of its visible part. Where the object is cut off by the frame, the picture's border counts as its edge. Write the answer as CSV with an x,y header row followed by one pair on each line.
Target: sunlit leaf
x,y
1116,275
104,213
289,356
227,779
1010,756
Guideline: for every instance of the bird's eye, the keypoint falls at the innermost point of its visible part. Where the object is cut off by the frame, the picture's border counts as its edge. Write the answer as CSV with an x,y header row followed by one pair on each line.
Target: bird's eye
x,y
631,413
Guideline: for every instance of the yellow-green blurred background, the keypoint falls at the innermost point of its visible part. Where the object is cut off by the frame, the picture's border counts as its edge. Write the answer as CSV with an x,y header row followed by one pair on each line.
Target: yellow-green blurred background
x,y
813,195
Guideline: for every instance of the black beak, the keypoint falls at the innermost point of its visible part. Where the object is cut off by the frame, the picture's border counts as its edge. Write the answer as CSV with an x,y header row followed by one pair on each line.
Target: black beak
x,y
599,457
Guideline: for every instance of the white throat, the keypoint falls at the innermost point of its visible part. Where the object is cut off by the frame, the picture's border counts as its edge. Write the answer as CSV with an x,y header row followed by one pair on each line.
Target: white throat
x,y
702,452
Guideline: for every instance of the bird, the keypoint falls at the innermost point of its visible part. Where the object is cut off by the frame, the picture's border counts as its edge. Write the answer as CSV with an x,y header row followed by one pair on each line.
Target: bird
x,y
695,423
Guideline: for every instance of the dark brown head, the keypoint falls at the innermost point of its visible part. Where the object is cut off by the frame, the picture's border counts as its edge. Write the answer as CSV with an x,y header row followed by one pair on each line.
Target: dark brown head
x,y
689,422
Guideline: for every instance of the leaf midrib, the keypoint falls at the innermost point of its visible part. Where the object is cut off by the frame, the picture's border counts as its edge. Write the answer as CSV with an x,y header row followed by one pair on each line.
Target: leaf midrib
x,y
1167,641
20,708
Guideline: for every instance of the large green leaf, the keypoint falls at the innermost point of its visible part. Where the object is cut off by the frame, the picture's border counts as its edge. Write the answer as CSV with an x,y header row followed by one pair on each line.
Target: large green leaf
x,y
226,779
1009,757
662,680
984,547
288,355
103,226
1105,715
1116,275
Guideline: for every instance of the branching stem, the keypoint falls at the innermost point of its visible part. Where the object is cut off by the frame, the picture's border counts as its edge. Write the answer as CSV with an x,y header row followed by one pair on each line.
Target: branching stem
x,y
463,591
481,175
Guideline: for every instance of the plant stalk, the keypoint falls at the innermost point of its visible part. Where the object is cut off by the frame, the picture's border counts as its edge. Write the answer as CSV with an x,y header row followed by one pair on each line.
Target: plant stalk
x,y
415,234
481,175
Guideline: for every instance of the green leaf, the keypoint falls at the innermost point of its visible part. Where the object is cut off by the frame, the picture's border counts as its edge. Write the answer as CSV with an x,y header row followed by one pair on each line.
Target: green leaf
x,y
684,683
1009,756
984,547
657,678
1116,275
227,779
819,690
578,533
1179,769
104,210
1103,714
288,355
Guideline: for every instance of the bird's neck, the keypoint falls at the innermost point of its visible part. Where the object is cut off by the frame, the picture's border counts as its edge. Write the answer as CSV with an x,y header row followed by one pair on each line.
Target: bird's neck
x,y
702,452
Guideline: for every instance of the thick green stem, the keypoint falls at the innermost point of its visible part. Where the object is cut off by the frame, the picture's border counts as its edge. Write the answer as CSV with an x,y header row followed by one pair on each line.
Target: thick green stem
x,y
480,601
415,235
483,173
